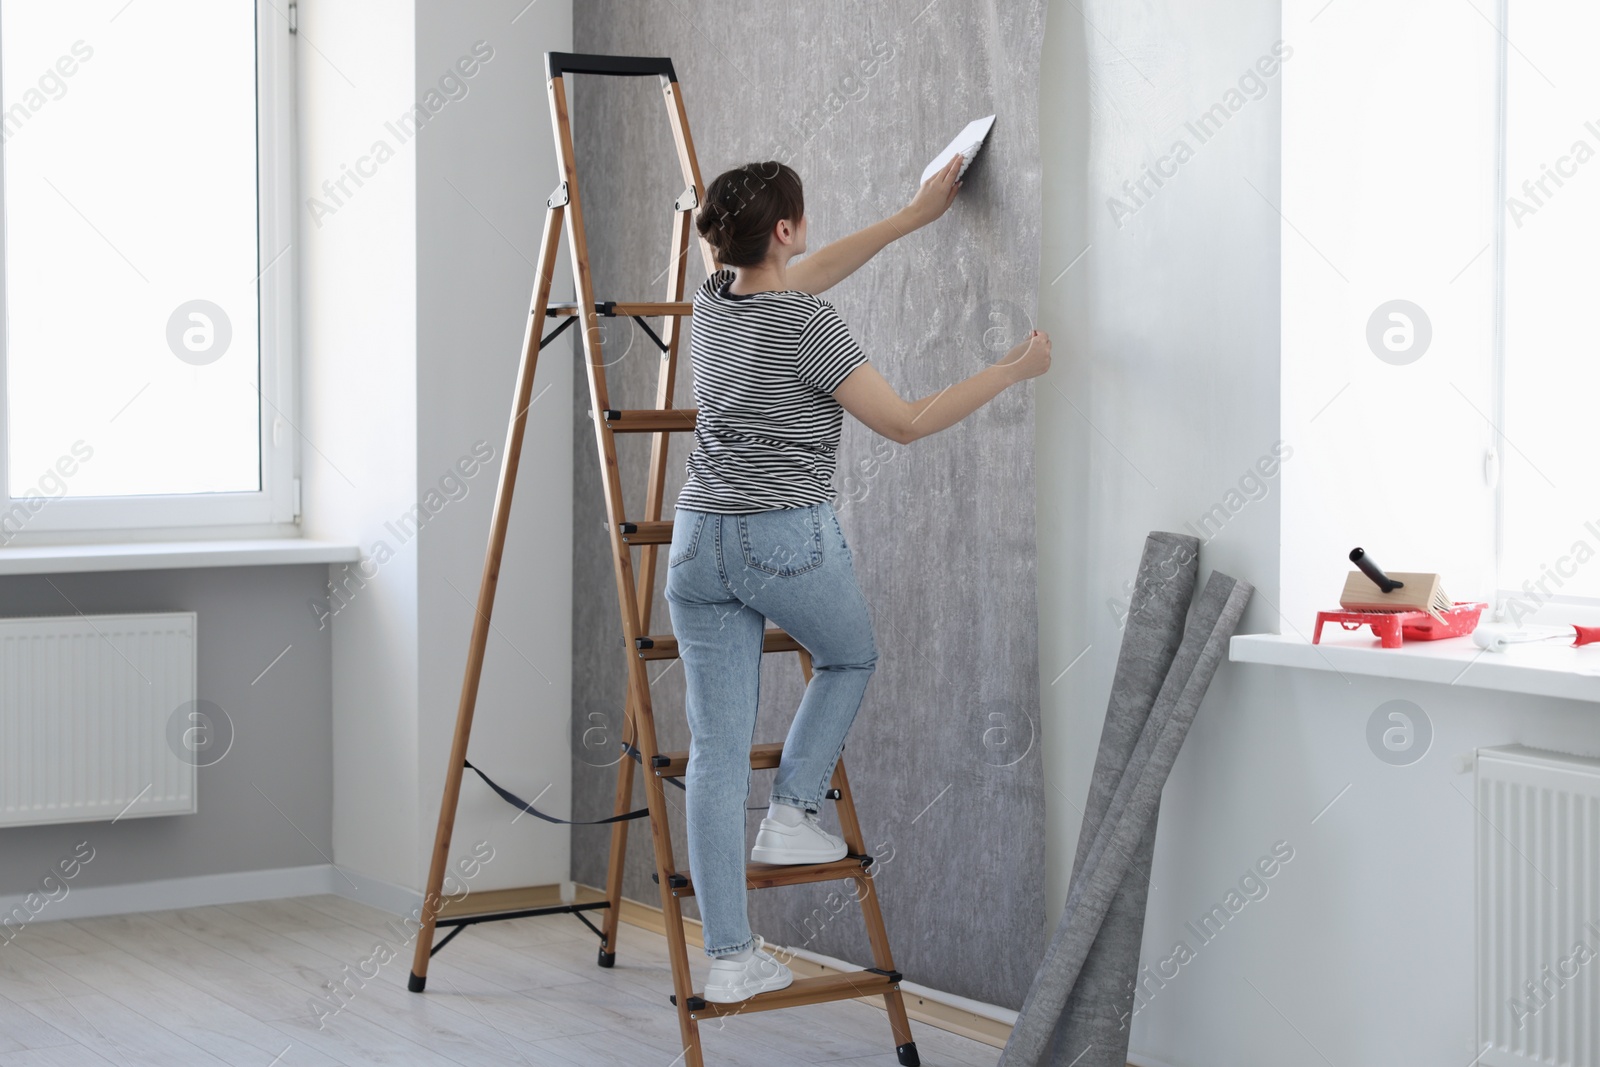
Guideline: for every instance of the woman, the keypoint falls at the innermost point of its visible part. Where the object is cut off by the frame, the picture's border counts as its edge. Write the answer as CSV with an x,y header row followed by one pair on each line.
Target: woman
x,y
755,537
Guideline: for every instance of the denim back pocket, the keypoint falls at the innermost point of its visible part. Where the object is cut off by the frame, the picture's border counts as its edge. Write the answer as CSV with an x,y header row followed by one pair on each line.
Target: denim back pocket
x,y
782,543
685,537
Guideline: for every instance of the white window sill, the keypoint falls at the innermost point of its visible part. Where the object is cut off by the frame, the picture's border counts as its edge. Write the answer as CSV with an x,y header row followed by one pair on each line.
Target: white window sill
x,y
172,555
1546,668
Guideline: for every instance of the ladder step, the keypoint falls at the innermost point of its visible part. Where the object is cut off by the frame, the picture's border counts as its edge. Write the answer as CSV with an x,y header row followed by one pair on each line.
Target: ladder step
x,y
615,308
773,875
647,533
650,420
765,756
802,991
665,646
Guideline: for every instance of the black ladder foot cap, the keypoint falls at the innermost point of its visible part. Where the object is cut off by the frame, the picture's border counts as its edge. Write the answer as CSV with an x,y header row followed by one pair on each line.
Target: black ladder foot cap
x,y
908,1055
607,959
417,982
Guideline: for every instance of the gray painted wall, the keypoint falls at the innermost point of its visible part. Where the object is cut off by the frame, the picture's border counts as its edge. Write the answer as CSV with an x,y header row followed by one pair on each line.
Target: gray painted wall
x,y
282,750
943,757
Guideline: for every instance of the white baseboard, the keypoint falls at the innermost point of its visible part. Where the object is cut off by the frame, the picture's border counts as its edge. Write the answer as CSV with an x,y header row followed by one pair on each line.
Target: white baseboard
x,y
168,893
204,890
385,896
1137,1060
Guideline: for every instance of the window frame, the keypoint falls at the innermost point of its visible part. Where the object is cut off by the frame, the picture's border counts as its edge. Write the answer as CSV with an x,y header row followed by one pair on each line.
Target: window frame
x,y
273,510
1558,608
1497,344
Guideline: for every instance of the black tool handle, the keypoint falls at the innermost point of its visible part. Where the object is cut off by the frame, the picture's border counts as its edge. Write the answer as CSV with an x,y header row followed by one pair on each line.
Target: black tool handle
x,y
1360,558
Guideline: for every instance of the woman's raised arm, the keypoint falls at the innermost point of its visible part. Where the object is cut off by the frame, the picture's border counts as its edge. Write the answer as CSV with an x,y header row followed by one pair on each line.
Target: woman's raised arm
x,y
833,263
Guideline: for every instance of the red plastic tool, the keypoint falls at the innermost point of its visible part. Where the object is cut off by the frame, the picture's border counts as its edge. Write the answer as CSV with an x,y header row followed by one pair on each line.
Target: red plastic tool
x,y
1392,627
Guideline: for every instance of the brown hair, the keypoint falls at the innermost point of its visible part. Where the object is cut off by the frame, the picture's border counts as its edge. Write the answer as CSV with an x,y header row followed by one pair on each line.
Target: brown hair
x,y
743,205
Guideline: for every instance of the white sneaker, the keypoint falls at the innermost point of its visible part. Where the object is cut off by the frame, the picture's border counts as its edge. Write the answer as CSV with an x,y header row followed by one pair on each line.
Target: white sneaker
x,y
805,842
731,981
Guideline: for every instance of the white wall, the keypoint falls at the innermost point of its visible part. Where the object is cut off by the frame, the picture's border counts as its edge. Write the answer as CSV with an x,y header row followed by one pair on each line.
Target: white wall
x,y
1167,351
485,166
359,408
415,288
1164,392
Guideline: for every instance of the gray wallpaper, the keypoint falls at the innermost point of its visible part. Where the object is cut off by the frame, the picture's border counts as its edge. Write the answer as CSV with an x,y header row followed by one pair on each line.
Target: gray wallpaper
x,y
944,757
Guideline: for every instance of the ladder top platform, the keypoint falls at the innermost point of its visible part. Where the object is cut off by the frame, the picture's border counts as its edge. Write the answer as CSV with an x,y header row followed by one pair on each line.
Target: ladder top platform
x,y
557,64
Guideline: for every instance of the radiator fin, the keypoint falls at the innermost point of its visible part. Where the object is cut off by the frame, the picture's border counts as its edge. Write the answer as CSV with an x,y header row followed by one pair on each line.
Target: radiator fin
x,y
1538,906
85,704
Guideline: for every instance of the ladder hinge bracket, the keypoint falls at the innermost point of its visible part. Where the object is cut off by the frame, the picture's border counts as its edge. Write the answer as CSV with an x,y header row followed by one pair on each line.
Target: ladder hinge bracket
x,y
695,1003
660,761
642,643
687,200
674,881
893,976
559,197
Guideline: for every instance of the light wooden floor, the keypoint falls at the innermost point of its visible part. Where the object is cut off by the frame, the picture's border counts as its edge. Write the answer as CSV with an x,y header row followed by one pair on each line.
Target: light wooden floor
x,y
234,985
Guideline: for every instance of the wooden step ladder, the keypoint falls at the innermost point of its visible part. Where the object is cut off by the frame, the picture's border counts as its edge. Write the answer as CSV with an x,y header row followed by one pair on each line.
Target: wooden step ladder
x,y
634,594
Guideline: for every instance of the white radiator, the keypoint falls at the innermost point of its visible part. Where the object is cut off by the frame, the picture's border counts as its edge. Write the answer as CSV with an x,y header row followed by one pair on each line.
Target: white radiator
x,y
1538,904
86,702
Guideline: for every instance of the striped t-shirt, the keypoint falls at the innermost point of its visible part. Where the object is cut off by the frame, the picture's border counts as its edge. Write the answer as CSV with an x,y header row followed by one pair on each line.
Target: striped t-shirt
x,y
765,368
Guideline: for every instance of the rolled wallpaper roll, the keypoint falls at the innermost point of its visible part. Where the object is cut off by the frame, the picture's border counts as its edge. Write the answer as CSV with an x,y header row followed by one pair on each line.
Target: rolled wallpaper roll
x,y
1168,574
1075,1010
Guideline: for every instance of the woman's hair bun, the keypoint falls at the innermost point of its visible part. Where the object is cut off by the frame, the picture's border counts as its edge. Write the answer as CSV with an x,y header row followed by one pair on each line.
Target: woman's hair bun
x,y
743,205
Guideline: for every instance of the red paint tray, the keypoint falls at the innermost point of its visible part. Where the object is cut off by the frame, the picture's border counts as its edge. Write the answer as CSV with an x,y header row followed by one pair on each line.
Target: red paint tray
x,y
1390,627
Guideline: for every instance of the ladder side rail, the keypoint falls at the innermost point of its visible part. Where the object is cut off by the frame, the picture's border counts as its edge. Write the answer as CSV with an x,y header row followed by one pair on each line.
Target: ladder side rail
x,y
616,862
871,911
672,327
431,901
687,163
666,385
638,685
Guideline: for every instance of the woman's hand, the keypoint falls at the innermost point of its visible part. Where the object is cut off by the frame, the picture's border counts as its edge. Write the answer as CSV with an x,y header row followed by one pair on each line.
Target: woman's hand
x,y
1029,359
935,195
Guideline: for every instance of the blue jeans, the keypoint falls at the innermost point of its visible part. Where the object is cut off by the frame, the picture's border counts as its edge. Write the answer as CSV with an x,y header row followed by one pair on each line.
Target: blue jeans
x,y
726,576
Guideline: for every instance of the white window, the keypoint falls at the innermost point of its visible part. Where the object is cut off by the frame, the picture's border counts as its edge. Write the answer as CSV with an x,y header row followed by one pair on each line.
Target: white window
x,y
1550,476
1440,375
1388,202
147,268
